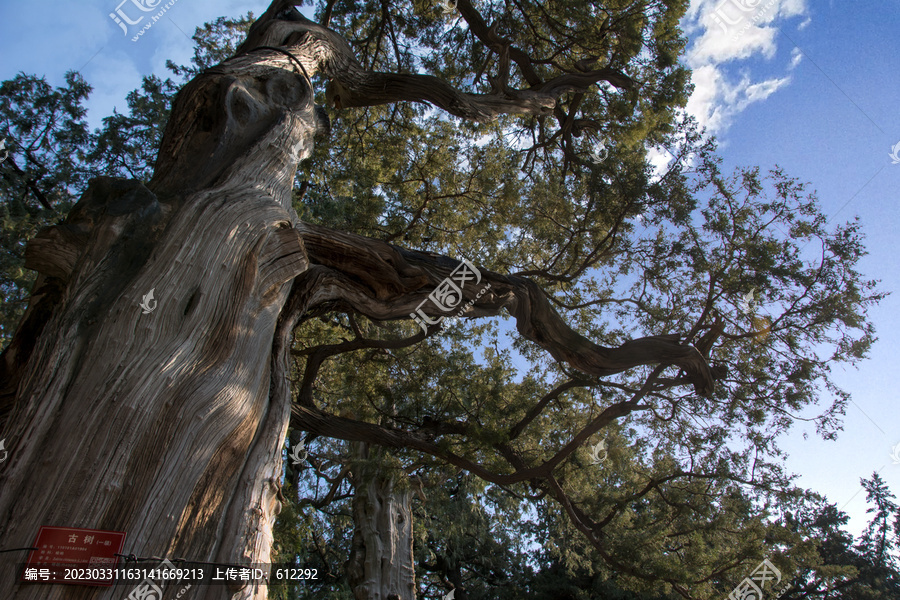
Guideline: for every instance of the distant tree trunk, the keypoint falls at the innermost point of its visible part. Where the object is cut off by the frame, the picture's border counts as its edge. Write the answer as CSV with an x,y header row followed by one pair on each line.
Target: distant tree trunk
x,y
381,565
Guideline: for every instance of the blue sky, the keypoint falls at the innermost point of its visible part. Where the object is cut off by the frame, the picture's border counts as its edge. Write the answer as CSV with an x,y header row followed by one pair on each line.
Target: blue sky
x,y
811,88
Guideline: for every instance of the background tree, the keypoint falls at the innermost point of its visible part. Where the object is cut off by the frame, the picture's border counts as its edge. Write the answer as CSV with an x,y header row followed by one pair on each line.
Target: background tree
x,y
689,498
45,138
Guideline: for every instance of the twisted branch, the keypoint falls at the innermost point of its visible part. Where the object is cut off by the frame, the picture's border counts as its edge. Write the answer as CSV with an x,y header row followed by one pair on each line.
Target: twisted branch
x,y
324,51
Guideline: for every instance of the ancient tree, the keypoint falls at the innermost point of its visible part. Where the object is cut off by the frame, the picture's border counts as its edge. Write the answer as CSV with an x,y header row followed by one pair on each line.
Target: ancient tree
x,y
169,425
168,421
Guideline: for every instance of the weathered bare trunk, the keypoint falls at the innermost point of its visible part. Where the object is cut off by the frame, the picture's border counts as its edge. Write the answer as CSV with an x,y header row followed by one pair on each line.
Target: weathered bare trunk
x,y
381,565
166,425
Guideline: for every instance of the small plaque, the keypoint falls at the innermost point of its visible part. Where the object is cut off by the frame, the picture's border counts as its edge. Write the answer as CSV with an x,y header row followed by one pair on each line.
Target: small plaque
x,y
75,556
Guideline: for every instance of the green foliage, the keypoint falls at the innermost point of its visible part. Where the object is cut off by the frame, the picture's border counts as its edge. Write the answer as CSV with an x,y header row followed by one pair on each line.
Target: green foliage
x,y
309,539
842,568
46,137
127,144
881,540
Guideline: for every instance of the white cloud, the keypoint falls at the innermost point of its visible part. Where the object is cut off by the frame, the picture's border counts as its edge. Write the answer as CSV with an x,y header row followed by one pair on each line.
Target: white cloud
x,y
737,38
716,101
796,57
725,32
659,159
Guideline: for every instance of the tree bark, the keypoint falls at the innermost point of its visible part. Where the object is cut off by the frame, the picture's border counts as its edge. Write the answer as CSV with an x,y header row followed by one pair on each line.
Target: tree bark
x,y
166,425
381,565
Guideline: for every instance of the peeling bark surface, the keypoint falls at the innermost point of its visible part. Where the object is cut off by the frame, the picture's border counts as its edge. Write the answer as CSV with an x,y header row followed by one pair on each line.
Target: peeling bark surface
x,y
168,424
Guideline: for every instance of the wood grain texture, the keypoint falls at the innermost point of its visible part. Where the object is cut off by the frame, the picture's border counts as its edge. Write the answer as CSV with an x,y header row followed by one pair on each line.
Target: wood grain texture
x,y
166,425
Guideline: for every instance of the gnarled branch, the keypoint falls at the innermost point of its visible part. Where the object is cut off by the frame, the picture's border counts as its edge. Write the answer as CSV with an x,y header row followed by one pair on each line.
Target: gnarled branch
x,y
417,273
322,50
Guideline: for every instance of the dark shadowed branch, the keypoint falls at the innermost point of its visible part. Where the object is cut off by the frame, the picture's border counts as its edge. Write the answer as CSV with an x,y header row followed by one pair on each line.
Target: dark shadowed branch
x,y
322,50
385,282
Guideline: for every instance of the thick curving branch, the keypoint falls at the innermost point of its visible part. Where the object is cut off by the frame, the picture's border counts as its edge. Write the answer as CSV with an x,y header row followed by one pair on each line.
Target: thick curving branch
x,y
322,50
413,275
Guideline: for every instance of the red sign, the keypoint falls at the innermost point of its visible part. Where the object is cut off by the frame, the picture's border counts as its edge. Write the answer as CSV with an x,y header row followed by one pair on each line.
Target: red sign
x,y
70,555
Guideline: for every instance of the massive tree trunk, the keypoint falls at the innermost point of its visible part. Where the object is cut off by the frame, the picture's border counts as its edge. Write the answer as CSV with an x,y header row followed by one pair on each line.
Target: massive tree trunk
x,y
168,424
381,565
